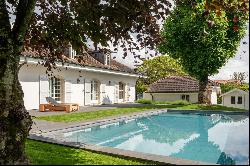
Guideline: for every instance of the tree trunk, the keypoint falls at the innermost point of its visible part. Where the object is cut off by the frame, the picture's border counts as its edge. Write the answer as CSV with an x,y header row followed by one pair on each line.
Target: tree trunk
x,y
203,92
15,121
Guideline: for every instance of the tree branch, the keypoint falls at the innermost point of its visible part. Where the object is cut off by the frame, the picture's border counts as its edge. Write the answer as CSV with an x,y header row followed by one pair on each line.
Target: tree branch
x,y
24,12
5,27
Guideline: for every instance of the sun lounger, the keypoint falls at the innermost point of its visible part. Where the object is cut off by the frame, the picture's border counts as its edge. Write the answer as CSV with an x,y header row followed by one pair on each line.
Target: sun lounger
x,y
53,105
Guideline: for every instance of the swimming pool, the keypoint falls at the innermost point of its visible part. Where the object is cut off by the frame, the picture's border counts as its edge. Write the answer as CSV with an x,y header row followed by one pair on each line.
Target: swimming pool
x,y
212,138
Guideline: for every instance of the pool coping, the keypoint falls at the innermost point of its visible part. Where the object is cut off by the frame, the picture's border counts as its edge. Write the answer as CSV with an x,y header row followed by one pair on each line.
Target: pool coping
x,y
55,137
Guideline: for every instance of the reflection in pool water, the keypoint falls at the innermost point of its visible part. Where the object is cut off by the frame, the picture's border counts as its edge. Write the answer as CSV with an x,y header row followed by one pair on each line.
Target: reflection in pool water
x,y
216,138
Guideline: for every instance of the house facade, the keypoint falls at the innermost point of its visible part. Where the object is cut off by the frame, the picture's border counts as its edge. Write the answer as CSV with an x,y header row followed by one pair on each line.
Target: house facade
x,y
96,80
236,98
175,88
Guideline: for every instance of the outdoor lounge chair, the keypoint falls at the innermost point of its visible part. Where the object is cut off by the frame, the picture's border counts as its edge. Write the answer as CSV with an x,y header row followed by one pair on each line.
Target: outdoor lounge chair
x,y
53,105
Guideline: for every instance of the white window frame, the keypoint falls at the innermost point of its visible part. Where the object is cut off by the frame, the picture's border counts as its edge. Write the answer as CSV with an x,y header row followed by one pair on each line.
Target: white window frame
x,y
55,89
122,91
94,90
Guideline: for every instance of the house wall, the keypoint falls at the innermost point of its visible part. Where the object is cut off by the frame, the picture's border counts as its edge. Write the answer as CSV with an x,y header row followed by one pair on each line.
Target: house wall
x,y
76,86
226,100
213,97
193,97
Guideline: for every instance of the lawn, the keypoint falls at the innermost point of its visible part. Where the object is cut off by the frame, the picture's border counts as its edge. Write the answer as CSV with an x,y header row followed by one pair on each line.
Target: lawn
x,y
51,154
123,111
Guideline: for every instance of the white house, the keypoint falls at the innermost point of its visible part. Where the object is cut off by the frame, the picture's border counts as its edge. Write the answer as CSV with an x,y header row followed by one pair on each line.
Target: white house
x,y
236,98
173,88
89,79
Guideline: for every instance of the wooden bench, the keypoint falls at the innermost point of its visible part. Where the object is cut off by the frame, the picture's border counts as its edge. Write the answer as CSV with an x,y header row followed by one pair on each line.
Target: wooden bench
x,y
68,107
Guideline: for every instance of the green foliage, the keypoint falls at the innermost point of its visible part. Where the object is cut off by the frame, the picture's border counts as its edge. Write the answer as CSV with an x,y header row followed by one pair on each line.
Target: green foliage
x,y
144,101
177,102
229,86
202,43
155,69
180,102
51,154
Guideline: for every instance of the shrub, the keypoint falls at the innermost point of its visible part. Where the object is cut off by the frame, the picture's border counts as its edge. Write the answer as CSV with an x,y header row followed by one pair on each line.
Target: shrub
x,y
162,102
180,102
144,101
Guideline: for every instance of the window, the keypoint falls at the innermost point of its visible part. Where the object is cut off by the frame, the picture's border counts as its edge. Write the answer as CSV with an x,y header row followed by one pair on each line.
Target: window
x,y
239,100
55,88
121,90
232,99
94,90
185,97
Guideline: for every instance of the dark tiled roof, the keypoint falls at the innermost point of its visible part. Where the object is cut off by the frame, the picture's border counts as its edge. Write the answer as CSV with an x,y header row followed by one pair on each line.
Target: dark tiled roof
x,y
84,60
227,81
175,84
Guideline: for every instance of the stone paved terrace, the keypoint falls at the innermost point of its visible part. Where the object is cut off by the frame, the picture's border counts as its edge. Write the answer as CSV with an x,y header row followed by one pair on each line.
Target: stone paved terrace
x,y
37,113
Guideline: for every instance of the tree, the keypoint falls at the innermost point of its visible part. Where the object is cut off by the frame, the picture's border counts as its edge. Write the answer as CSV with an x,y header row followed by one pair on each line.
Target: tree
x,y
51,25
239,76
203,40
155,69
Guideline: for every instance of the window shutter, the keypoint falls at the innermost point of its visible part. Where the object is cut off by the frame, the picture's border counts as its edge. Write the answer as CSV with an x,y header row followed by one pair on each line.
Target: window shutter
x,y
128,92
103,89
68,91
116,93
102,92
44,88
87,91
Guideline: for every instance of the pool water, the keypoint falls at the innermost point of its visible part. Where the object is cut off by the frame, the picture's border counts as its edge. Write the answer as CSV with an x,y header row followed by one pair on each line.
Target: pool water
x,y
213,138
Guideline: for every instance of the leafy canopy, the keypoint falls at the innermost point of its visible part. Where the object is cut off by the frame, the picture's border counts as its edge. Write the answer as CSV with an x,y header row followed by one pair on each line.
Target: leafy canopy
x,y
55,23
202,40
155,69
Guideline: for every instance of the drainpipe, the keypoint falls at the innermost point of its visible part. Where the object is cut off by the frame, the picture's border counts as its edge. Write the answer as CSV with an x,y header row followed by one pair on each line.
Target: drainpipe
x,y
152,97
84,92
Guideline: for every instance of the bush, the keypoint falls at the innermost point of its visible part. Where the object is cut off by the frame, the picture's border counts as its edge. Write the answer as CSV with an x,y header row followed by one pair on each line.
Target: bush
x,y
162,102
180,102
144,101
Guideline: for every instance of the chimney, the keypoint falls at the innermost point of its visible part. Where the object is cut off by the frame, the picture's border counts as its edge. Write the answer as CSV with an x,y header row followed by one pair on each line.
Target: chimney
x,y
103,56
70,53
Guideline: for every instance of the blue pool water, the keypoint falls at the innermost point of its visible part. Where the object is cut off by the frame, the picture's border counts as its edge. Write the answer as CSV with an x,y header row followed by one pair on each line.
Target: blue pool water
x,y
214,138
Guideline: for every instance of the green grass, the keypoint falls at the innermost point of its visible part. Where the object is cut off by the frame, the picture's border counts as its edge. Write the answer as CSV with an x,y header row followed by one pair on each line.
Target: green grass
x,y
122,111
98,114
144,101
51,154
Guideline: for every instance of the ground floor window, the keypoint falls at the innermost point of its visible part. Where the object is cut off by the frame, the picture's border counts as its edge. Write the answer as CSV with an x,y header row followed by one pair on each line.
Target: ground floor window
x,y
185,97
121,90
239,100
94,90
55,88
232,99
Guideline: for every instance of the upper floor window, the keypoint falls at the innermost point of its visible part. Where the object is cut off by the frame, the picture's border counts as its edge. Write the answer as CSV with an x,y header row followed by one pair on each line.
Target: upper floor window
x,y
94,90
55,88
232,99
